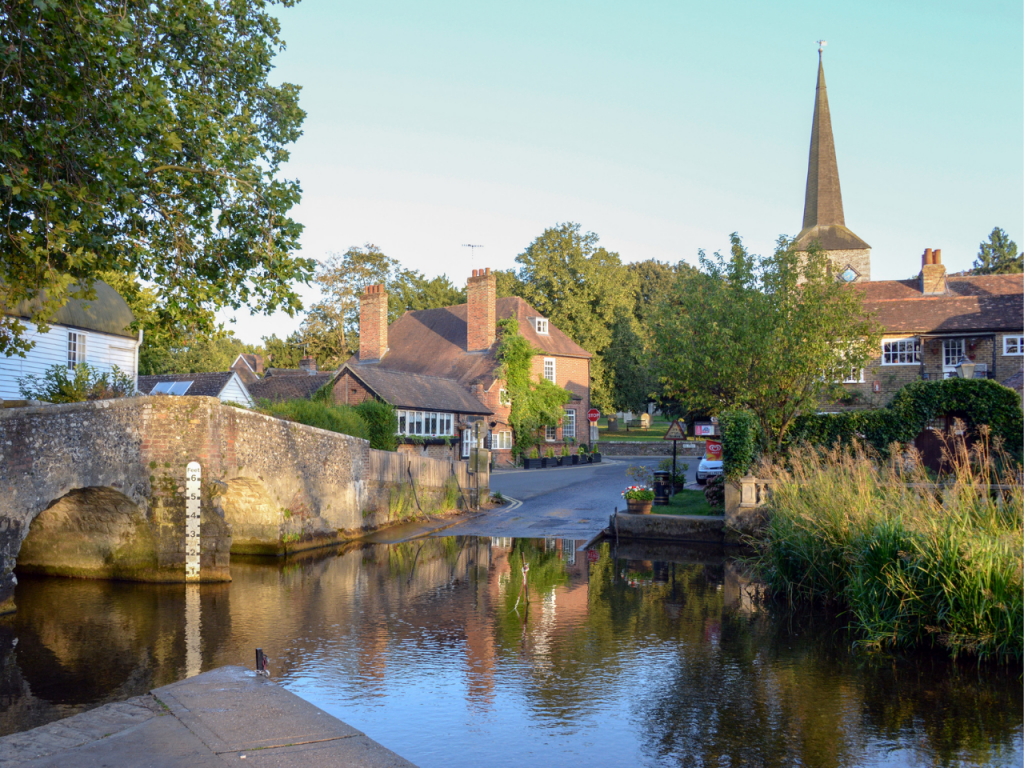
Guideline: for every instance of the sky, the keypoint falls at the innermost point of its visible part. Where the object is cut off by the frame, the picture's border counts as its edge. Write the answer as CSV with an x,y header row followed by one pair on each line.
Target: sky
x,y
661,126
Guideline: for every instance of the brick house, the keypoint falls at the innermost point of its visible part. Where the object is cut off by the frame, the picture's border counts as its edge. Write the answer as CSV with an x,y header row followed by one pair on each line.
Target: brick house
x,y
932,322
438,367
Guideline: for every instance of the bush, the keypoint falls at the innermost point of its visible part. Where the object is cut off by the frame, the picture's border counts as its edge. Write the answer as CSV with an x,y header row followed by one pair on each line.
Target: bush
x,y
335,418
381,424
740,433
980,401
714,491
914,564
63,385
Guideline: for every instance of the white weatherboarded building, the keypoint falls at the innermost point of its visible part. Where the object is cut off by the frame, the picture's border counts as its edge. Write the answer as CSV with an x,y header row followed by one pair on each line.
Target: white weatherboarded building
x,y
94,331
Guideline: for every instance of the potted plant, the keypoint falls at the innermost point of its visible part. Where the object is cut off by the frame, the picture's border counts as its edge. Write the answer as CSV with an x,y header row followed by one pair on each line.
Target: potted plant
x,y
595,456
639,499
549,458
565,459
584,455
533,459
575,456
679,478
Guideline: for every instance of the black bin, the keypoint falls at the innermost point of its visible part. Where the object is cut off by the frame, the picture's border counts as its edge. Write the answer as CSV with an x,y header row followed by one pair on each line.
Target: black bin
x,y
662,488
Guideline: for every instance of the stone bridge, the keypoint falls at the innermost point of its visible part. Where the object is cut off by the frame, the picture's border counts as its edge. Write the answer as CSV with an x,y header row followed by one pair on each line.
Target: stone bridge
x,y
96,489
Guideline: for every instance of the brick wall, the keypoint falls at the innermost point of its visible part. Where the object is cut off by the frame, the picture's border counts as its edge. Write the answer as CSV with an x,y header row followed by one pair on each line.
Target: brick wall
x,y
348,391
373,323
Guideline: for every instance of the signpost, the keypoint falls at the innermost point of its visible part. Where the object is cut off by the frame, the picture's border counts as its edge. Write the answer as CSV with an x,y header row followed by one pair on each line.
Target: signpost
x,y
193,477
593,415
675,433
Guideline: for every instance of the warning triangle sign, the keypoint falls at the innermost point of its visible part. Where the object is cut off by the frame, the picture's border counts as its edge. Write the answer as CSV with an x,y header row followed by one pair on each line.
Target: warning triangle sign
x,y
675,432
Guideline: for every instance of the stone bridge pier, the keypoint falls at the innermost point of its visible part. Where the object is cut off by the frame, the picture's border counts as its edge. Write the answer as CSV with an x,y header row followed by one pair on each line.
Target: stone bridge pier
x,y
97,490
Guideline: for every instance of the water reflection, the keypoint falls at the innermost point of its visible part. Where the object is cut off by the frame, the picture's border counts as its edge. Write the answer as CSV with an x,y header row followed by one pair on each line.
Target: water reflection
x,y
641,654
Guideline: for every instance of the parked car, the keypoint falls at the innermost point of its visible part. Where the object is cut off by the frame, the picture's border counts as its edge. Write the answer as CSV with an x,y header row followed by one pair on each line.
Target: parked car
x,y
707,469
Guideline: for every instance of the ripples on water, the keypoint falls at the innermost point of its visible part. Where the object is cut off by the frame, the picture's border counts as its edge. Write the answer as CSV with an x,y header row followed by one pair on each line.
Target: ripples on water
x,y
650,656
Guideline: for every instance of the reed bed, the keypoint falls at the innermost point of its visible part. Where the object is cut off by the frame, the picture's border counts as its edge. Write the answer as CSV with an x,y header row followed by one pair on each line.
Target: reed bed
x,y
914,562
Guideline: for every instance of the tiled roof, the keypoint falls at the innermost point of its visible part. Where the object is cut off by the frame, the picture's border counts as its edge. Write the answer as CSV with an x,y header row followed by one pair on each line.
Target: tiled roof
x,y
288,387
413,390
107,313
970,304
432,342
203,384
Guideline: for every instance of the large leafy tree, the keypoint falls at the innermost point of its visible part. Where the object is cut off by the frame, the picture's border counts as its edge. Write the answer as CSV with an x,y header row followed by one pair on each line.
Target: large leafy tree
x,y
144,138
581,287
769,334
332,325
998,256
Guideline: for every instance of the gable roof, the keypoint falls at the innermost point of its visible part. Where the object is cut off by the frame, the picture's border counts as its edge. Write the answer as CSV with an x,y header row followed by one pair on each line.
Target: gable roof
x,y
970,304
413,390
203,384
107,313
432,342
289,387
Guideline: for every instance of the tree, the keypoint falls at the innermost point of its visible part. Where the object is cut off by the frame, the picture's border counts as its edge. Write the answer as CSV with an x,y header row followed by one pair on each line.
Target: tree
x,y
535,402
768,334
628,362
998,256
145,138
580,287
282,353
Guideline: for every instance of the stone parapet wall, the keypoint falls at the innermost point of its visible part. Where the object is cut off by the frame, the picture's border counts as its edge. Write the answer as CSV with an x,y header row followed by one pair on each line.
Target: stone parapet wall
x,y
689,449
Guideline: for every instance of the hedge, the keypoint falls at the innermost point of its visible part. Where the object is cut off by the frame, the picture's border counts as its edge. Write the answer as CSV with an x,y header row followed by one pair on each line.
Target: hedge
x,y
976,401
740,439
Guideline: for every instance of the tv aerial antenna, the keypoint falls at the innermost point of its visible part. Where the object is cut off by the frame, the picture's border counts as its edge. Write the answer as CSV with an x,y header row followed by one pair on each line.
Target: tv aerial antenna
x,y
472,251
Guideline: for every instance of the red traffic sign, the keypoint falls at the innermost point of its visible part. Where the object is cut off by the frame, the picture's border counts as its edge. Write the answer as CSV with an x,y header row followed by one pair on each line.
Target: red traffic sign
x,y
593,414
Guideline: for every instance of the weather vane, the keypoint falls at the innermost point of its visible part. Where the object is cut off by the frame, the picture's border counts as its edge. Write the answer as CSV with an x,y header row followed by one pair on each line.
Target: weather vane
x,y
821,45
472,250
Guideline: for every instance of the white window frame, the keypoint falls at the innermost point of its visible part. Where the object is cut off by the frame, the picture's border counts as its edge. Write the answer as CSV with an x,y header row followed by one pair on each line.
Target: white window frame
x,y
897,349
502,441
550,434
553,375
569,424
76,348
541,325
468,441
425,423
856,376
1018,346
503,398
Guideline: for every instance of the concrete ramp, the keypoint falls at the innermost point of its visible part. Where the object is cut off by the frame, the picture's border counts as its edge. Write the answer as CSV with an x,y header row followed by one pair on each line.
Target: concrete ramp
x,y
225,716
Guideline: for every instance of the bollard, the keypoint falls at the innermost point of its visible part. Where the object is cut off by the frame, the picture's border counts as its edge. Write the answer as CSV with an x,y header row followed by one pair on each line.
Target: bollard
x,y
261,663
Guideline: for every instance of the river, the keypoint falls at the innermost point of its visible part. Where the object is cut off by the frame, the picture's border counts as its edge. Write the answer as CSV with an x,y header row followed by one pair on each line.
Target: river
x,y
634,655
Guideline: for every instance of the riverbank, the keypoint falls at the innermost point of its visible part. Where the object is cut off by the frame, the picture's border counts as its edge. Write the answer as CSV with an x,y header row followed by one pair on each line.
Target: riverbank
x,y
223,715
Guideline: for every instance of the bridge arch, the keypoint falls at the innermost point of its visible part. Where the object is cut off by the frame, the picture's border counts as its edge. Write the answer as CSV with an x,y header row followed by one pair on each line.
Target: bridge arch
x,y
94,532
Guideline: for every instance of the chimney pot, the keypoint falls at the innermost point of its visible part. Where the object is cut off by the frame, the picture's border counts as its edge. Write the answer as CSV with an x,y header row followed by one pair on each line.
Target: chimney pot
x,y
488,270
937,256
927,259
373,323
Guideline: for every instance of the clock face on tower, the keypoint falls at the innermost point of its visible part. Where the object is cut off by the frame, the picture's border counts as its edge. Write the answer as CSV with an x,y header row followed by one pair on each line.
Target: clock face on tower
x,y
849,274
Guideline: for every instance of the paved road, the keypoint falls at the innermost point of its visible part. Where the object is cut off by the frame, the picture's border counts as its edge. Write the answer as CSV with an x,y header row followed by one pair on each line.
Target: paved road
x,y
565,502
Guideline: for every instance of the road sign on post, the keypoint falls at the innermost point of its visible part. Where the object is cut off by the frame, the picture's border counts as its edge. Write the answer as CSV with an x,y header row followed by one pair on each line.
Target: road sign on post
x,y
593,414
675,433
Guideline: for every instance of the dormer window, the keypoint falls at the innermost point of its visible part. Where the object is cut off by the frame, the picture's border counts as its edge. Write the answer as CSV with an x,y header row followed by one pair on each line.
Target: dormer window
x,y
541,325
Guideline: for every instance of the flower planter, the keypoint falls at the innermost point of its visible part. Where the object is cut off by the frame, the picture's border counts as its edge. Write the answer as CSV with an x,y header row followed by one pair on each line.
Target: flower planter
x,y
575,459
565,461
637,507
595,457
546,462
533,463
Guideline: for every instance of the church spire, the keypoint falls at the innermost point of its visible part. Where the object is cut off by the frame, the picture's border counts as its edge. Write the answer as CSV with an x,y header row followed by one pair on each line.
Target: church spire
x,y
823,201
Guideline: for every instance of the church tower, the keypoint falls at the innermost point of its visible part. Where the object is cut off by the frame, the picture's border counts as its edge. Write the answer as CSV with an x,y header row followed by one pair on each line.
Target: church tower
x,y
823,201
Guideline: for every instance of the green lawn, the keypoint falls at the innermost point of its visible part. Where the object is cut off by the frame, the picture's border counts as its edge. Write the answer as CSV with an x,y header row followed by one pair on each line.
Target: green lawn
x,y
657,431
687,503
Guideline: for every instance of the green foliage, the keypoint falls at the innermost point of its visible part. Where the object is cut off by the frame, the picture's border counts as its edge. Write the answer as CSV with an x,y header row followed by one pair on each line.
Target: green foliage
x,y
549,453
335,418
282,353
202,354
998,256
381,424
61,385
580,287
665,465
913,566
638,493
565,450
534,402
765,334
740,442
146,139
714,491
976,401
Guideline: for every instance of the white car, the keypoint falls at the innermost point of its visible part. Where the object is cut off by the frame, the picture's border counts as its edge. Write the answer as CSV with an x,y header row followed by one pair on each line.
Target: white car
x,y
707,469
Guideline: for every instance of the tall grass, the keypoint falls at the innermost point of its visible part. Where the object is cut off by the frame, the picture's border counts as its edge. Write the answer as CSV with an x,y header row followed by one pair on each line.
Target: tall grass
x,y
317,413
914,563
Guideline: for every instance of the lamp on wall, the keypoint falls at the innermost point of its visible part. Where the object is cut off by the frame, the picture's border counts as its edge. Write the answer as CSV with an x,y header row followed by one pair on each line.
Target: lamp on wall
x,y
965,368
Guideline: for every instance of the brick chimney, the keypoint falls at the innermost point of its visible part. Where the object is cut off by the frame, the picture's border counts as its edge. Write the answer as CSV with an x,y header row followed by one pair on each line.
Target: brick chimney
x,y
373,323
933,273
308,364
481,322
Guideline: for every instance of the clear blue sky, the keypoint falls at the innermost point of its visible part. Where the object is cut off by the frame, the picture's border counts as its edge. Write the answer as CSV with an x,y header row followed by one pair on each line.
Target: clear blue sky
x,y
661,126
